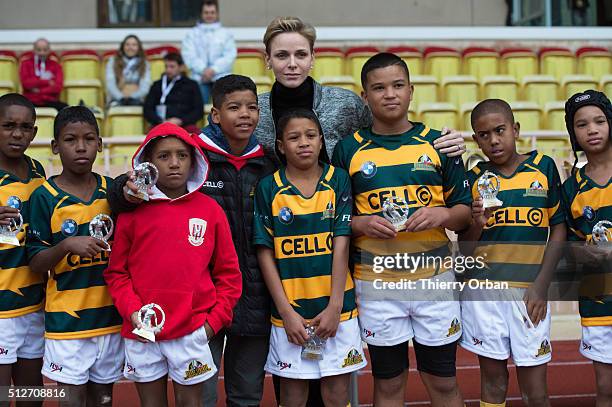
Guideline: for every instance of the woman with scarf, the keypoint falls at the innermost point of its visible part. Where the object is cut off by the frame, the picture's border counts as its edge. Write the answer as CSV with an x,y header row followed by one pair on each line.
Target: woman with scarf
x,y
128,74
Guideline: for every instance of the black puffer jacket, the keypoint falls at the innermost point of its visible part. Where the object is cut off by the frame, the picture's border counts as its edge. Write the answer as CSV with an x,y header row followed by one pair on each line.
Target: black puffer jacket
x,y
233,189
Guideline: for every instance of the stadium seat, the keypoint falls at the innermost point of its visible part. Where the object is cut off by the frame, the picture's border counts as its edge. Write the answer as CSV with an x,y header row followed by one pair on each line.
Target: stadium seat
x,y
572,84
124,121
104,60
412,114
480,62
438,115
527,114
425,90
540,89
8,67
249,62
329,62
155,56
87,90
606,85
518,62
460,89
555,115
557,62
594,61
504,87
6,87
44,121
356,57
411,56
263,83
80,64
465,112
442,61
346,82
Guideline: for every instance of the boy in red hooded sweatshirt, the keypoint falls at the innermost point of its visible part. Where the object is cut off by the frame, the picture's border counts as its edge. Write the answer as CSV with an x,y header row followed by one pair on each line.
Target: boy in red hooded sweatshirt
x,y
175,251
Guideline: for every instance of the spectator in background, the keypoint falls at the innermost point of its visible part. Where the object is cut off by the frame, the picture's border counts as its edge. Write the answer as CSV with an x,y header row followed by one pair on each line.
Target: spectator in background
x,y
209,49
128,74
42,77
174,98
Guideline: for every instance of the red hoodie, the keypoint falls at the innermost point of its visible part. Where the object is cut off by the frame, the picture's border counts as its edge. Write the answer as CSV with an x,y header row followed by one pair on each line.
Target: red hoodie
x,y
177,253
48,89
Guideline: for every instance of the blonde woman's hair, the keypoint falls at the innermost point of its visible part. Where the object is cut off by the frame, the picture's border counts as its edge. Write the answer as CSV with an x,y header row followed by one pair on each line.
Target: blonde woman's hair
x,y
282,25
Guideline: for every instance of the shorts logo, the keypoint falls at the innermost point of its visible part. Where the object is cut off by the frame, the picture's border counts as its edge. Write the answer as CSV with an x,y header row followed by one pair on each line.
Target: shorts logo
x,y
196,368
536,190
283,365
368,169
455,327
476,341
285,215
329,211
55,368
589,213
352,358
586,346
129,369
424,164
369,334
544,349
197,228
3,351
14,202
69,227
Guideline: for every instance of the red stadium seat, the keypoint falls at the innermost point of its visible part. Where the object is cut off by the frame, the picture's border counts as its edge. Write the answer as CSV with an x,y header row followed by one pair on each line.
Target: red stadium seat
x,y
329,62
519,62
480,62
557,61
356,57
594,61
442,61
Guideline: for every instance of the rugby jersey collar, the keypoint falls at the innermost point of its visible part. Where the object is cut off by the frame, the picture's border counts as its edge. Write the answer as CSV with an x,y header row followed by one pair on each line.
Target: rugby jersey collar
x,y
395,141
281,178
55,190
582,175
533,155
32,173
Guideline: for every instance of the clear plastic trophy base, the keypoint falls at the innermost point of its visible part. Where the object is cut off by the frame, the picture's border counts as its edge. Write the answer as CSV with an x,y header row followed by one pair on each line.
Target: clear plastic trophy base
x,y
140,195
12,240
491,203
399,226
143,333
312,354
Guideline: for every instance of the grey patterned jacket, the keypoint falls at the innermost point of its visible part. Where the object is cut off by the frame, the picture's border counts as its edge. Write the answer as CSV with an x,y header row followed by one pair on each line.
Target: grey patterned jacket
x,y
340,111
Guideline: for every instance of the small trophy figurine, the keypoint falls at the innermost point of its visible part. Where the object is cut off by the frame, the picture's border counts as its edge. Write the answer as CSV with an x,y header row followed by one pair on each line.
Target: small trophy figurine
x,y
8,233
150,324
101,227
602,234
488,187
396,212
146,175
313,348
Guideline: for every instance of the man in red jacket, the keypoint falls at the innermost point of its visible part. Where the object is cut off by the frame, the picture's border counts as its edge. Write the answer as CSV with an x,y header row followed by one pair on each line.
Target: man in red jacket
x,y
42,77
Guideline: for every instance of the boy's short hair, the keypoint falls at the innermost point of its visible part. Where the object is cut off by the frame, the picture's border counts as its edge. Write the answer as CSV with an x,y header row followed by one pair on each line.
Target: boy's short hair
x,y
73,114
209,3
299,113
174,56
489,106
15,99
382,60
229,84
147,152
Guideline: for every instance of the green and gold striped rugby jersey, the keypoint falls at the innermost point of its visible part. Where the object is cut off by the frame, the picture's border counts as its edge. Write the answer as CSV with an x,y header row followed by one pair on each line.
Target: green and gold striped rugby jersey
x,y
21,290
586,204
514,239
78,304
300,230
409,167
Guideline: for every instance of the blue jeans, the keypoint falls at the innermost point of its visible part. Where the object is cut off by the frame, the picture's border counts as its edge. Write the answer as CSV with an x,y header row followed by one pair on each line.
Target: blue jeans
x,y
205,90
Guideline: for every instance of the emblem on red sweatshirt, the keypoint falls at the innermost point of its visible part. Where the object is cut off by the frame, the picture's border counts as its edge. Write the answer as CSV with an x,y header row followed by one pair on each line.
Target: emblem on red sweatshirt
x,y
197,228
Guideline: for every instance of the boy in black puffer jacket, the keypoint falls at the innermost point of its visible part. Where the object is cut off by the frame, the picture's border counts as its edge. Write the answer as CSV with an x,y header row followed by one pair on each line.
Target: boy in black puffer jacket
x,y
237,163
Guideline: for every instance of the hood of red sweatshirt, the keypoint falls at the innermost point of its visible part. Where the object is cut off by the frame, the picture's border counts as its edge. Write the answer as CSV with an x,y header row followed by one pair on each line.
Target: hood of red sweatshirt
x,y
199,172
